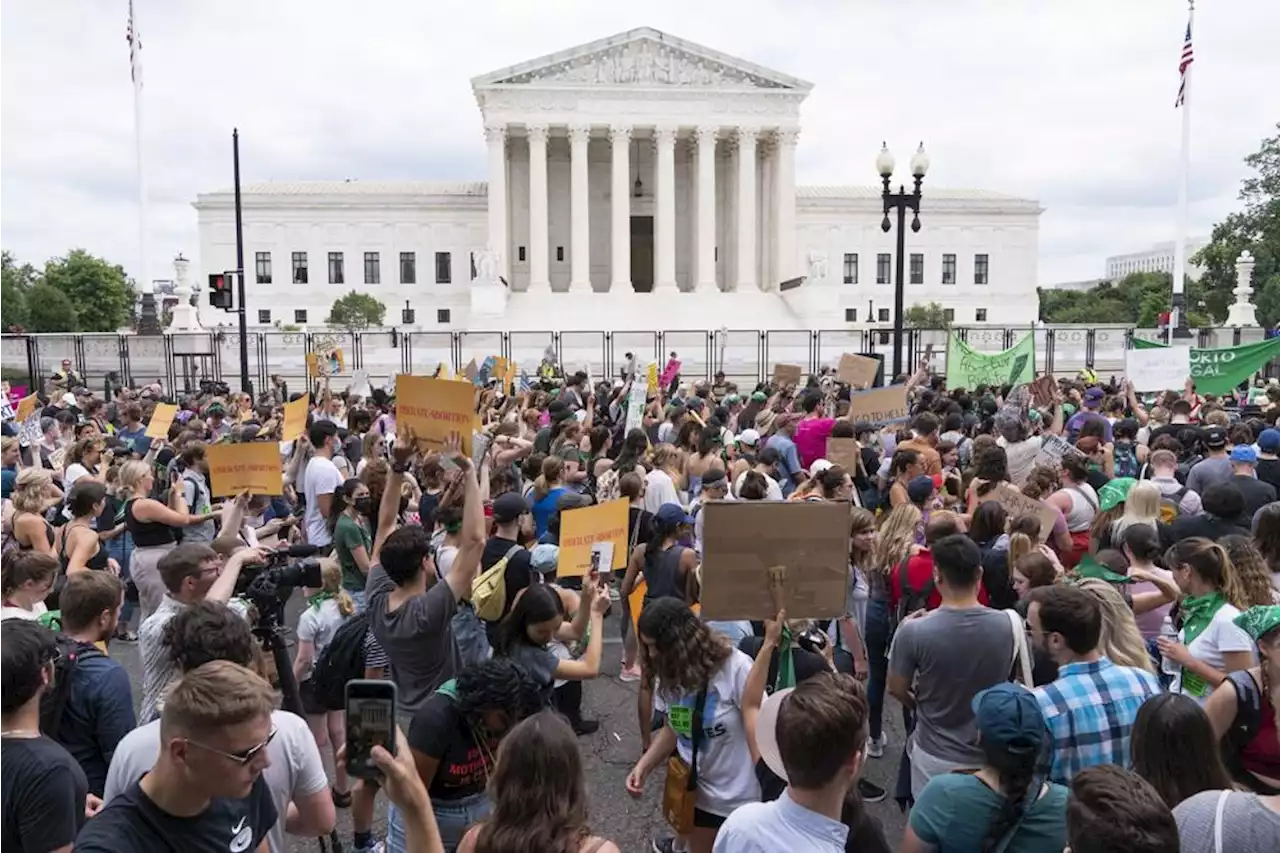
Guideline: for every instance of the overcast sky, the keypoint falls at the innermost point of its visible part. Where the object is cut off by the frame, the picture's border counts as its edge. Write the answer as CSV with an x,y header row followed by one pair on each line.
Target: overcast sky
x,y
1066,101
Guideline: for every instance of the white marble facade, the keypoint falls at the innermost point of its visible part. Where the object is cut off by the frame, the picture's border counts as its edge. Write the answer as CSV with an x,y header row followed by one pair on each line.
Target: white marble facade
x,y
628,179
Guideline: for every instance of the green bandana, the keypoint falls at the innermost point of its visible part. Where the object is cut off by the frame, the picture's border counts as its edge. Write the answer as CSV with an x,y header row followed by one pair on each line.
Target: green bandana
x,y
786,662
1197,613
1257,622
1114,492
319,598
1089,567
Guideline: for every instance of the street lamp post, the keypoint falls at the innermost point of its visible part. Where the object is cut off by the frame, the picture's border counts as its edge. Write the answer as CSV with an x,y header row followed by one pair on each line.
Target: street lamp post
x,y
901,201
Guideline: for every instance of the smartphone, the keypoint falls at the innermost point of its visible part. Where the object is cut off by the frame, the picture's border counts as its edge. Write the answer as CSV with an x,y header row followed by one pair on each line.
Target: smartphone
x,y
371,720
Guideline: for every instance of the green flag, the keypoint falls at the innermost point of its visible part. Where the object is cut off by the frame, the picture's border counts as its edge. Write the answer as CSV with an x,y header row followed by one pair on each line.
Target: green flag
x,y
969,368
1218,371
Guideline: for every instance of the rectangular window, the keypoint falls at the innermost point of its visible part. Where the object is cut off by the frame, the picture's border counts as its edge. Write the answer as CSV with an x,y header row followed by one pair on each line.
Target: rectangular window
x,y
850,314
442,315
473,265
300,315
917,268
883,315
882,268
980,315
335,268
299,267
262,267
444,268
264,317
372,268
948,269
408,268
949,314
850,267
520,253
980,269
560,254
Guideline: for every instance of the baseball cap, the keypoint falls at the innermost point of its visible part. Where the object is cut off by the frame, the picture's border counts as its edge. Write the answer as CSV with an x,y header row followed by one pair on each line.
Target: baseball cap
x,y
669,515
507,508
751,438
1215,438
1244,454
69,399
818,466
1008,714
920,489
767,732
1269,440
1093,398
544,558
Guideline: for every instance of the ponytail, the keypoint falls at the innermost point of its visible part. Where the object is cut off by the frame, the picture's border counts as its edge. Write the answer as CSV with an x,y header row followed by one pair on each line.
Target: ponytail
x,y
1020,545
341,500
552,467
1017,771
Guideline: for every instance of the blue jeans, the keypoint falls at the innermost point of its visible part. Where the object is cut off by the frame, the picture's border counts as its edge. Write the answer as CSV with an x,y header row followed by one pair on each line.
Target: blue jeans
x,y
454,817
121,549
357,596
878,635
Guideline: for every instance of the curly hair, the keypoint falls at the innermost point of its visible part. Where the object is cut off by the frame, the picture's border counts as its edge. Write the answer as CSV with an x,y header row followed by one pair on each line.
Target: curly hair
x,y
688,653
897,535
498,684
1250,570
205,631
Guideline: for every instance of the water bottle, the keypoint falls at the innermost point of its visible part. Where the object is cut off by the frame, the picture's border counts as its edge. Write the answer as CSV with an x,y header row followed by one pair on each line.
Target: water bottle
x,y
1169,667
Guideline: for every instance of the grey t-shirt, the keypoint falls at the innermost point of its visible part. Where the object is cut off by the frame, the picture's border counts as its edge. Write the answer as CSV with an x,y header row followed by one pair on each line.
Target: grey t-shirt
x,y
296,767
195,491
417,637
1248,826
157,667
951,655
1207,472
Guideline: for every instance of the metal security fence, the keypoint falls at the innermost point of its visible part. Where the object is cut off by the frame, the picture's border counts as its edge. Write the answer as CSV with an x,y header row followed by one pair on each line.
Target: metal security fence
x,y
747,356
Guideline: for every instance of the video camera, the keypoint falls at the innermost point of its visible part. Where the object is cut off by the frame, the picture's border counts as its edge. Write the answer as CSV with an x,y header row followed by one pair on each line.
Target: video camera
x,y
269,585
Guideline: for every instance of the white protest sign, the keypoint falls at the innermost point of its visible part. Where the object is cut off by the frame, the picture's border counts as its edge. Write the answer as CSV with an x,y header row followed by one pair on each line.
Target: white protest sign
x,y
635,404
360,384
1052,449
1158,369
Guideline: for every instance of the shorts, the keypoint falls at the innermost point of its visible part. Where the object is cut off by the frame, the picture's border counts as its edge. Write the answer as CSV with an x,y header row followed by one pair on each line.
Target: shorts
x,y
707,820
310,705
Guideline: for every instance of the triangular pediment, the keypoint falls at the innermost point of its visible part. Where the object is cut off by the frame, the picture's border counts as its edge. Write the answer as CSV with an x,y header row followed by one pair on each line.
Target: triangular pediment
x,y
642,57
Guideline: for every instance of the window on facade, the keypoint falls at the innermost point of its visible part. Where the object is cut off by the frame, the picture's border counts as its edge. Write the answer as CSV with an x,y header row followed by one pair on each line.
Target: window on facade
x,y
335,268
883,315
980,269
264,317
299,267
442,315
473,265
949,314
884,338
408,268
560,254
850,268
980,315
917,268
850,314
300,316
372,268
882,268
520,253
444,268
948,269
262,267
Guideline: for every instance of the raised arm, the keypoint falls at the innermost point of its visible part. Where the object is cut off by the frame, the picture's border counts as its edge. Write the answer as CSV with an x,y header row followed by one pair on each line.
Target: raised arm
x,y
467,561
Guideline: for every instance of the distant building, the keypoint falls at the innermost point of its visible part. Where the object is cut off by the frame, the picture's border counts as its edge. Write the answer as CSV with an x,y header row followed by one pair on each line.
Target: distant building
x,y
1158,258
1085,284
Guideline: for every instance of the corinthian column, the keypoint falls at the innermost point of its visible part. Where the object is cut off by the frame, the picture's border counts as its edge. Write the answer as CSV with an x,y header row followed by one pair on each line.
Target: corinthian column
x,y
705,278
580,220
620,209
664,141
495,135
539,269
746,212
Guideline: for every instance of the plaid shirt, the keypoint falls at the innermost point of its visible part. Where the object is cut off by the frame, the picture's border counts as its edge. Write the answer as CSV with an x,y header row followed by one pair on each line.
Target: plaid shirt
x,y
1089,712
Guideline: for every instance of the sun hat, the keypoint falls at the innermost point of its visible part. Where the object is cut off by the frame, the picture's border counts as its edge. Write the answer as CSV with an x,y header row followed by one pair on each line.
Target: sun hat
x,y
767,732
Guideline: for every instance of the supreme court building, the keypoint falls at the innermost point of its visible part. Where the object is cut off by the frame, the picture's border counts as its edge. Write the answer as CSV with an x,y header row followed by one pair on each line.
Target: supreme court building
x,y
633,182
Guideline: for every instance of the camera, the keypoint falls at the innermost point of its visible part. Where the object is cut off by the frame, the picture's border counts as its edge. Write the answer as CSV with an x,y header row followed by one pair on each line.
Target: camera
x,y
269,585
812,640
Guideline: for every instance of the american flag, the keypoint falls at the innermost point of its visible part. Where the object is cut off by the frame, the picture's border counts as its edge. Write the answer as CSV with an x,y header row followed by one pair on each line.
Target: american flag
x,y
1183,64
135,49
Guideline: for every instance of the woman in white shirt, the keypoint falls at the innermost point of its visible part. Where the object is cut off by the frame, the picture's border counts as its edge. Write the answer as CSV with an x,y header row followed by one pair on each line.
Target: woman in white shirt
x,y
86,458
1209,644
25,581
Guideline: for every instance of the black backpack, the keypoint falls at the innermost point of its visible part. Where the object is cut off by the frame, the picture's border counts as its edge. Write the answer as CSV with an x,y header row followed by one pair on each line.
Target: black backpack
x,y
912,599
341,661
53,704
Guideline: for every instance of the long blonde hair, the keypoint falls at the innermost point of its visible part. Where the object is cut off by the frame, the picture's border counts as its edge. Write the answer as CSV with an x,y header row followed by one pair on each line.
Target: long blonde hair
x,y
130,476
897,535
31,490
1121,641
1141,506
331,573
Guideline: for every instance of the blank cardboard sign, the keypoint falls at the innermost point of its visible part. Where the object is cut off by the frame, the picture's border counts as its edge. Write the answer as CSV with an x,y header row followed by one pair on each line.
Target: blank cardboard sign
x,y
743,540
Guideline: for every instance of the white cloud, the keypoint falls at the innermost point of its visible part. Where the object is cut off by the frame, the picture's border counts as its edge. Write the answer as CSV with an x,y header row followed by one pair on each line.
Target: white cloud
x,y
1069,102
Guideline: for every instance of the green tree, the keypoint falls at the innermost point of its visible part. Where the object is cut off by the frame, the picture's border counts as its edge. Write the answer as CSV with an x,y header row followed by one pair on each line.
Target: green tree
x,y
100,293
15,291
50,310
356,311
931,316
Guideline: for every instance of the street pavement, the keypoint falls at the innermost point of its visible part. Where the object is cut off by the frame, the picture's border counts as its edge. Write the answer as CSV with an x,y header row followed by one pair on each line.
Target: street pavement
x,y
608,756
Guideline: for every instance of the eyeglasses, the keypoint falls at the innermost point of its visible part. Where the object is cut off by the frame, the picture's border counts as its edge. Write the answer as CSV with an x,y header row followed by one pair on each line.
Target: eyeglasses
x,y
242,757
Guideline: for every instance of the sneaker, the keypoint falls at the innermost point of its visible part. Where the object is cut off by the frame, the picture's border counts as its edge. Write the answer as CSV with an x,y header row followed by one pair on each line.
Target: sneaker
x,y
664,845
586,727
629,674
871,793
875,747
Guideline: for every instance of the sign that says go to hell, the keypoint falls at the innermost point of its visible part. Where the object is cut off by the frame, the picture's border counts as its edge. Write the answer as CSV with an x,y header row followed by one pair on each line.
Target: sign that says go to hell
x,y
252,467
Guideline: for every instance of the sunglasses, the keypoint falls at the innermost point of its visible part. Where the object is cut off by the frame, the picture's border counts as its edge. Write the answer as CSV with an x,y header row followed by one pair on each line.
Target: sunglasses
x,y
242,757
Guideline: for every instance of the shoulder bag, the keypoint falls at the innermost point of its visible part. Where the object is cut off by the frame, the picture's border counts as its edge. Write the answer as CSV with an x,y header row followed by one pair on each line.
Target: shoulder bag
x,y
680,794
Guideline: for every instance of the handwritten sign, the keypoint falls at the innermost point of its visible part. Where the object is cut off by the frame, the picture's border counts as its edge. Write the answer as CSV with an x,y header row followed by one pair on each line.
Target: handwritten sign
x,y
252,467
844,452
295,418
360,386
27,407
1016,504
879,406
1157,369
787,374
858,371
325,362
581,528
635,405
161,419
435,408
1052,449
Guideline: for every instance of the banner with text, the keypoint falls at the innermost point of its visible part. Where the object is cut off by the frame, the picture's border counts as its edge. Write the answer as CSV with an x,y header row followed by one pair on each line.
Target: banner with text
x,y
968,368
252,467
1218,371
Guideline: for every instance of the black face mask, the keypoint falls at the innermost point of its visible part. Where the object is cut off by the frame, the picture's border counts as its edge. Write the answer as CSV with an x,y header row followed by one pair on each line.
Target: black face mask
x,y
363,505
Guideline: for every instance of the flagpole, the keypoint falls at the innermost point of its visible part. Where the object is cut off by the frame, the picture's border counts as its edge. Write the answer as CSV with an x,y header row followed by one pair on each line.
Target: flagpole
x,y
148,320
1178,320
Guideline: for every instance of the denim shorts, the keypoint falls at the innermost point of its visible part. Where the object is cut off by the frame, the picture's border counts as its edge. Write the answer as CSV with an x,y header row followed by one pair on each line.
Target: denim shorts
x,y
454,817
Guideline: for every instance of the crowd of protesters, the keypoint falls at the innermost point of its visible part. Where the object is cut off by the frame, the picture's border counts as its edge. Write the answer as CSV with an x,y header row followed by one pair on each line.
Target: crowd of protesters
x,y
1101,674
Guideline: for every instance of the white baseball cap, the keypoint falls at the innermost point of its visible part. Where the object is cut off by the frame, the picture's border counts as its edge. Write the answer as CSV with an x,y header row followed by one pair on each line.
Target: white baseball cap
x,y
749,437
767,732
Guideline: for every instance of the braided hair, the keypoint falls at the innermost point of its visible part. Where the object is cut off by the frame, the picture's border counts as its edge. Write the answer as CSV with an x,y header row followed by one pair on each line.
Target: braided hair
x,y
1018,780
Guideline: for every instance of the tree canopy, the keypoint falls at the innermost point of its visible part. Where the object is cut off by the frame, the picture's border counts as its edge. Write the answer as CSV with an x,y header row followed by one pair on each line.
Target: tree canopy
x,y
356,311
49,310
96,296
931,316
1138,298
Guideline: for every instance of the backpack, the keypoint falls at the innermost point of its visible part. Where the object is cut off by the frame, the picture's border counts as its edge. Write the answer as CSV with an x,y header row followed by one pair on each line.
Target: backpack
x,y
1248,711
489,590
912,599
1125,460
1171,505
53,704
342,661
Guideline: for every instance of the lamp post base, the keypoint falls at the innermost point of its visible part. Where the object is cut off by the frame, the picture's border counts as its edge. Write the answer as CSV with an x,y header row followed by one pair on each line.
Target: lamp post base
x,y
148,317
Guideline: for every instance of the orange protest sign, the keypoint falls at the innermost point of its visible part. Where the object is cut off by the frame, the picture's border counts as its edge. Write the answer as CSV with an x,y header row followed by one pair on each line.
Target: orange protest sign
x,y
161,420
582,528
27,407
252,467
509,377
295,418
434,409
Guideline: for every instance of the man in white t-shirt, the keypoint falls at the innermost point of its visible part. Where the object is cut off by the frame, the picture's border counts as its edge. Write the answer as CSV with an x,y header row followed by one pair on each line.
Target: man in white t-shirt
x,y
319,481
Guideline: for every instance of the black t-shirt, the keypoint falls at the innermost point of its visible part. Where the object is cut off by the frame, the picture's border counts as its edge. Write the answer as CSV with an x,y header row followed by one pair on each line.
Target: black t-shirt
x,y
1269,472
1257,494
639,527
519,573
1097,479
440,731
131,821
427,505
43,792
1176,430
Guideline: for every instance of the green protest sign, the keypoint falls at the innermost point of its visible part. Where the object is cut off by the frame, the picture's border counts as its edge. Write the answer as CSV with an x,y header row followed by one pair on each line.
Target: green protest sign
x,y
969,368
1218,371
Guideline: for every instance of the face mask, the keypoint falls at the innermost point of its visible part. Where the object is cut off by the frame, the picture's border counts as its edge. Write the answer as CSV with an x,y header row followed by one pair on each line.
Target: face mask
x,y
363,505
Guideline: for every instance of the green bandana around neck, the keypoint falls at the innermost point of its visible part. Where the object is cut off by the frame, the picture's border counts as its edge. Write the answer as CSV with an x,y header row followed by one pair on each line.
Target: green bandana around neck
x,y
1197,613
786,676
1089,567
319,598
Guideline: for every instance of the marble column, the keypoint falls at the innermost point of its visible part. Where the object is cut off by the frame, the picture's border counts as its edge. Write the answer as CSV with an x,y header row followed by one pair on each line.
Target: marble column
x,y
664,225
495,135
580,220
620,209
784,211
705,277
746,208
539,268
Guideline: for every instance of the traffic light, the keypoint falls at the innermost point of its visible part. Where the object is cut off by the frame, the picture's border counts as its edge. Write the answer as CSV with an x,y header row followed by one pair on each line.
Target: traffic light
x,y
222,289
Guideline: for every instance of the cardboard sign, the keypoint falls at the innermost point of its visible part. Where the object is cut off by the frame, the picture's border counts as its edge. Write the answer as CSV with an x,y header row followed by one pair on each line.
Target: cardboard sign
x,y
1052,449
1042,390
509,375
1016,504
582,528
31,433
295,418
1157,369
435,408
744,540
857,371
252,467
470,371
879,406
325,362
844,452
26,407
787,374
161,419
